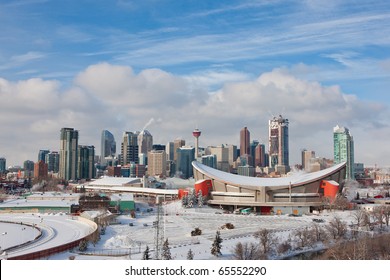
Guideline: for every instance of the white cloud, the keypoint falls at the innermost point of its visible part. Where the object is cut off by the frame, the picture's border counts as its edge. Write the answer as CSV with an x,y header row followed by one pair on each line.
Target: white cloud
x,y
113,97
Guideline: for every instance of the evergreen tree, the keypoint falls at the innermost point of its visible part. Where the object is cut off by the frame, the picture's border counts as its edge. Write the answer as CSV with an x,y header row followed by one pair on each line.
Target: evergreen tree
x,y
190,255
217,245
146,255
83,245
184,201
166,251
200,199
192,200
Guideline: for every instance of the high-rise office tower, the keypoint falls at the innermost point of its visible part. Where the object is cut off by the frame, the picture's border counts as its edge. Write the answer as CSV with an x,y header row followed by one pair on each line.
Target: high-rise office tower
x,y
252,149
185,157
145,142
157,163
210,160
129,148
260,155
42,155
53,162
343,148
222,156
108,146
178,143
170,150
86,162
28,166
278,142
68,154
232,154
244,141
3,165
306,159
40,170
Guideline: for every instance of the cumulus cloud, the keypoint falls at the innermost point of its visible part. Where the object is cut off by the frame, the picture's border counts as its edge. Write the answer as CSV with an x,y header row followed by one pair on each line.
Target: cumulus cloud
x,y
113,97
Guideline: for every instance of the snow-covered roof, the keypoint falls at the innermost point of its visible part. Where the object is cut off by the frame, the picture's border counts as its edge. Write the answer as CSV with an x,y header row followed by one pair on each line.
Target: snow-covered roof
x,y
133,190
123,197
114,181
293,180
36,203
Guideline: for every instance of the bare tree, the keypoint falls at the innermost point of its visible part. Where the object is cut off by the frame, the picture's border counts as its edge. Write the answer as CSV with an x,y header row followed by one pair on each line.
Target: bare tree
x,y
304,237
318,233
386,214
267,239
284,247
247,251
378,216
341,202
360,217
337,228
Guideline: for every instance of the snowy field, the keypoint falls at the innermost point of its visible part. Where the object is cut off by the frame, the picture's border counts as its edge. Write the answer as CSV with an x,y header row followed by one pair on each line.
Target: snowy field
x,y
56,229
129,242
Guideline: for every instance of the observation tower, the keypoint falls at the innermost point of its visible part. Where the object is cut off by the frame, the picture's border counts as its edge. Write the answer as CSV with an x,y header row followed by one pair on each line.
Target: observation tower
x,y
196,134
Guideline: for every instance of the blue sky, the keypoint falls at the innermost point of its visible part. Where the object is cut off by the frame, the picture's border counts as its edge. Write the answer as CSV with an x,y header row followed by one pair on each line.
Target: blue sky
x,y
200,49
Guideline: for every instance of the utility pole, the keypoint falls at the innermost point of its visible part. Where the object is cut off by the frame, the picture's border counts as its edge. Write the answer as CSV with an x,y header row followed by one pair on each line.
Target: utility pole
x,y
159,228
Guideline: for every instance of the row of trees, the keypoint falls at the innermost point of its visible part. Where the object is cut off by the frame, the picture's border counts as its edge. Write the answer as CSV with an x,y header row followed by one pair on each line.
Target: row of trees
x,y
193,199
345,241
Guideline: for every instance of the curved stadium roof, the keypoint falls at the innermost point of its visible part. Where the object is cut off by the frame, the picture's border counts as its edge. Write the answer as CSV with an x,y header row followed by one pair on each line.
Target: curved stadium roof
x,y
294,180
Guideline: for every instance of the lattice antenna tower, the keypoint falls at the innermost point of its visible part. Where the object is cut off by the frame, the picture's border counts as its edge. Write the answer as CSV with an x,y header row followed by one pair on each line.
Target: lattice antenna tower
x,y
159,229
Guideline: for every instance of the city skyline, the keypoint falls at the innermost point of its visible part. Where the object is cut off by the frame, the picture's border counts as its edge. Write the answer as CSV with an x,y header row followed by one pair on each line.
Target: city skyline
x,y
219,66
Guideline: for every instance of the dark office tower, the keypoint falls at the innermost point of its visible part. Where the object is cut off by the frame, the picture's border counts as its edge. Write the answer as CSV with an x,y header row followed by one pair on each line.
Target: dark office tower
x,y
28,166
260,155
158,147
86,166
53,162
185,157
108,145
253,146
68,154
3,165
278,142
42,155
129,148
244,141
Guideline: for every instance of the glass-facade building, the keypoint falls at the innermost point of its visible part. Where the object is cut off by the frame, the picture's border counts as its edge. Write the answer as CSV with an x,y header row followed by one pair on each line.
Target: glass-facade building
x,y
343,149
86,164
185,157
108,145
68,154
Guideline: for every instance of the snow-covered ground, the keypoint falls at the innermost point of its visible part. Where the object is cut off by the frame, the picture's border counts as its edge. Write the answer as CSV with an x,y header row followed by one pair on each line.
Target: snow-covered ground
x,y
131,241
56,229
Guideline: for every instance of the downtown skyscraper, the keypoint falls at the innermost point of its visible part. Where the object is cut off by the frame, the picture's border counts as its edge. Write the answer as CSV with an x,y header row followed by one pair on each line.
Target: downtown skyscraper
x,y
278,143
244,141
86,162
343,149
108,145
68,154
129,148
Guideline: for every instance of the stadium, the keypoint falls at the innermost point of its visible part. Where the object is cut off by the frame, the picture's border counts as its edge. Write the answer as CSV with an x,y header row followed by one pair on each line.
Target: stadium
x,y
296,194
